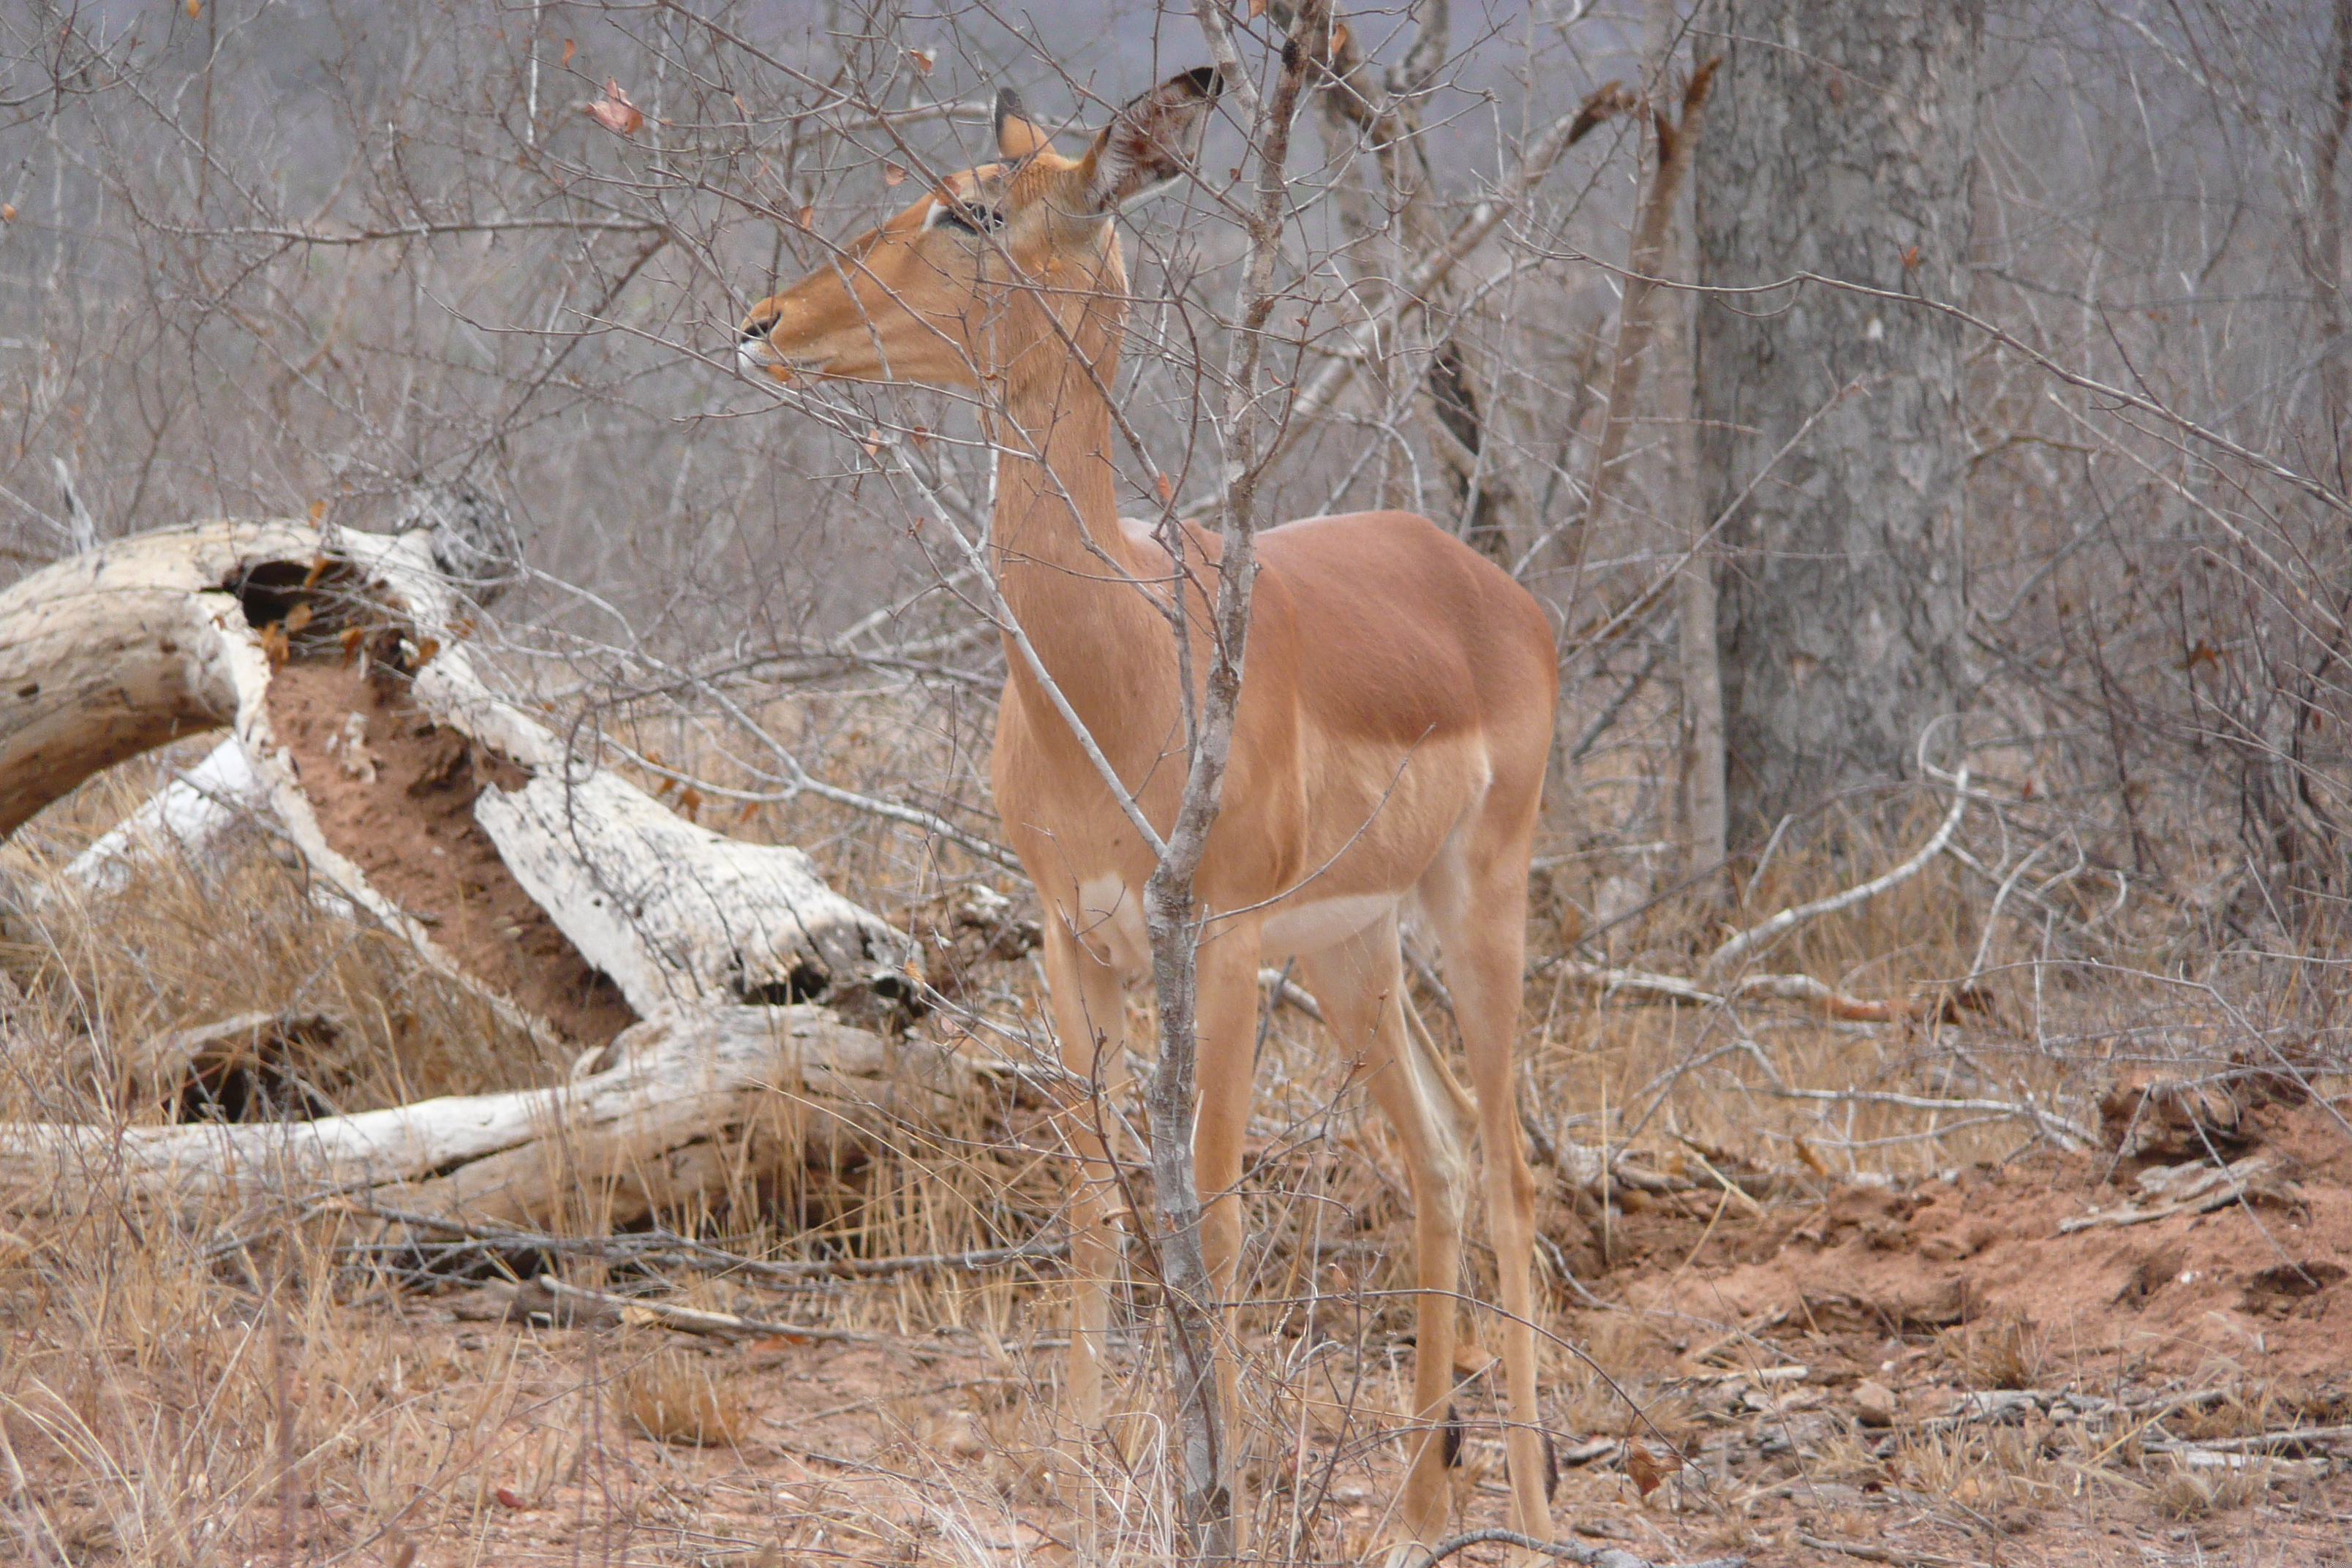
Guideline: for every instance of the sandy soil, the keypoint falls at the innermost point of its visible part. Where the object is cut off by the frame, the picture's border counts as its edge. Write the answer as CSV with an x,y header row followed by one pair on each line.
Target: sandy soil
x,y
2031,1385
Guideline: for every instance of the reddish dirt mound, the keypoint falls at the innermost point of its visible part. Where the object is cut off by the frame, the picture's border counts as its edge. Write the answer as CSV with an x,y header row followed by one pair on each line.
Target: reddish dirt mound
x,y
395,793
2256,1280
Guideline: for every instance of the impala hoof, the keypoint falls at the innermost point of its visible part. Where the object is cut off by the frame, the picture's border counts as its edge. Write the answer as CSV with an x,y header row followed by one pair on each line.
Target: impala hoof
x,y
1403,1554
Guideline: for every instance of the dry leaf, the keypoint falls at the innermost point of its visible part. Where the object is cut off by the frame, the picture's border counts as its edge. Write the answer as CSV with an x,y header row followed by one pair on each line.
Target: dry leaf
x,y
1165,486
923,60
426,648
807,217
1813,1162
615,113
873,442
1650,1468
1256,9
689,801
1338,37
751,809
350,640
274,645
296,619
1910,258
8,212
318,563
195,9
892,174
509,1498
919,434
570,48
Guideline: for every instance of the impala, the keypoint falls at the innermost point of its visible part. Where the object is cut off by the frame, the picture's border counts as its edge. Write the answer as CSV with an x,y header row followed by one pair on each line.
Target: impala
x,y
1388,753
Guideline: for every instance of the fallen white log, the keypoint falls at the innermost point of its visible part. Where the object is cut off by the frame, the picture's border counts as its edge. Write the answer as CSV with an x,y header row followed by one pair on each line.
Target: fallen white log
x,y
174,632
623,1139
189,815
110,654
152,637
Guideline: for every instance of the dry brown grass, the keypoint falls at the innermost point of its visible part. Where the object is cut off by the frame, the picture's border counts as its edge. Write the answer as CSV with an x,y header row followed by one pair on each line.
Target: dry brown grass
x,y
164,1398
2006,1350
674,1397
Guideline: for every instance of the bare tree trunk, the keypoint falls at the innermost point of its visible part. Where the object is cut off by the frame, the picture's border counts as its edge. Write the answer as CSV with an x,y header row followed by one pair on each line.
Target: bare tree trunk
x,y
1637,322
1208,1483
1701,771
2324,243
1845,148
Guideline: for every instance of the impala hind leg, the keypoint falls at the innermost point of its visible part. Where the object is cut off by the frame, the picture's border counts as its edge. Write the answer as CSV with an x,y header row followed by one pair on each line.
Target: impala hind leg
x,y
1089,1012
1360,984
1476,899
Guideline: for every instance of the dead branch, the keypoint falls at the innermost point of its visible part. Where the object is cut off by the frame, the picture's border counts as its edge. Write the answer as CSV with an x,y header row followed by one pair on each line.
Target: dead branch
x,y
1641,985
633,1312
1747,941
666,1247
2187,1189
1567,1552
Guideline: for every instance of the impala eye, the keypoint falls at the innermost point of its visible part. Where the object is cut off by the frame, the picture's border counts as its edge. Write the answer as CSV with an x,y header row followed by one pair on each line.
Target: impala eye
x,y
968,218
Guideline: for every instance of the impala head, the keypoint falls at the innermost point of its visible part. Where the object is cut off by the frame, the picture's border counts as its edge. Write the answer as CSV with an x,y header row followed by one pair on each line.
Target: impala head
x,y
952,290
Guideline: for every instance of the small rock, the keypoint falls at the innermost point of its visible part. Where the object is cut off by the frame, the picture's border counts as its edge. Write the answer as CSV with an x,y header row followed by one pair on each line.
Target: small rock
x,y
1873,1404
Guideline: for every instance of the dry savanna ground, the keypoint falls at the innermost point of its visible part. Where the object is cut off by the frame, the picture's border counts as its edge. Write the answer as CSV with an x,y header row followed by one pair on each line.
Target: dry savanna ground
x,y
2045,1262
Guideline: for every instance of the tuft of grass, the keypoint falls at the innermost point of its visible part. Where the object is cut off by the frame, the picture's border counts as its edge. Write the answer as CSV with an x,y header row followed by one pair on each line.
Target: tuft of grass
x,y
673,1399
2192,1494
2002,1351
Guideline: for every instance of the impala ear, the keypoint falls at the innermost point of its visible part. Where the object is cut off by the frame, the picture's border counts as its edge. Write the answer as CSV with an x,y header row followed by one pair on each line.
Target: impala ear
x,y
1150,141
1017,136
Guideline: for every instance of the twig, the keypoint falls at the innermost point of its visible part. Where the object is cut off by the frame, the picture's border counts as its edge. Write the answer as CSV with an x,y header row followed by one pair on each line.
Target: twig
x,y
1992,917
1289,991
2222,1188
1418,287
1616,704
1591,1556
1746,942
2049,1121
1870,1553
2258,1443
661,1243
1672,988
693,1320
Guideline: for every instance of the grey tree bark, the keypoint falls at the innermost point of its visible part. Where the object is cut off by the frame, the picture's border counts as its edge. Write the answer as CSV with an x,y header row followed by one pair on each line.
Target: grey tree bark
x,y
1840,144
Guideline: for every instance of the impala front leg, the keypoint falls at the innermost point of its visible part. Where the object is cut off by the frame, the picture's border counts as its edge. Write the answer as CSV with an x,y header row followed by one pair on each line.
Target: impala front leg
x,y
1225,1015
1090,1017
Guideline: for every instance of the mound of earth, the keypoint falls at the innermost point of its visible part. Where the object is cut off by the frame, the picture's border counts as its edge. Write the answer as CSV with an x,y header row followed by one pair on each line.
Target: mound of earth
x,y
2239,1257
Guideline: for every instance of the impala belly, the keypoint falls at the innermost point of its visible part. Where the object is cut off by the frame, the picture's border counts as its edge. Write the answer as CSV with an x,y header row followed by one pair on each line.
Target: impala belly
x,y
1310,927
1110,924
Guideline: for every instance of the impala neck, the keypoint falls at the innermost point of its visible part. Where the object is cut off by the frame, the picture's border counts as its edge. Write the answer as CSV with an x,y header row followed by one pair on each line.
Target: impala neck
x,y
1062,557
